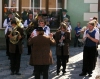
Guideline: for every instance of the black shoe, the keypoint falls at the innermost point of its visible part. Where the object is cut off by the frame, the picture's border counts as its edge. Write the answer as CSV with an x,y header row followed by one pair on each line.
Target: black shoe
x,y
90,75
82,74
64,72
12,73
58,72
17,73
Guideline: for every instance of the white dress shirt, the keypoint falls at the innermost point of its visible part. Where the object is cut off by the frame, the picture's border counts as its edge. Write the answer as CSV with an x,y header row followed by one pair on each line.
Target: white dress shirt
x,y
25,23
96,34
45,33
69,28
6,25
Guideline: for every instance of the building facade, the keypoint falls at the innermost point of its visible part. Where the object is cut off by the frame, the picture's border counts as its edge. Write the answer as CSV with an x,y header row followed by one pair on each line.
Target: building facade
x,y
79,10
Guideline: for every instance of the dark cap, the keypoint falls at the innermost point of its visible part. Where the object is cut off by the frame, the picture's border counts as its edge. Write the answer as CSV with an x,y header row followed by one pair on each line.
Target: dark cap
x,y
39,29
64,10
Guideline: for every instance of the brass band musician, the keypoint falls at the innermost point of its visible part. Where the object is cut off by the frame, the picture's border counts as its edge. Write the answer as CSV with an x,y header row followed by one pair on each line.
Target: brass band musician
x,y
15,35
7,24
62,38
29,29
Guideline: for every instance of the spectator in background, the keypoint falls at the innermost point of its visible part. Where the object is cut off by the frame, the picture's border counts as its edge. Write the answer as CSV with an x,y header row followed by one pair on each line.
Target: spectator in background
x,y
65,15
77,34
24,15
97,23
69,28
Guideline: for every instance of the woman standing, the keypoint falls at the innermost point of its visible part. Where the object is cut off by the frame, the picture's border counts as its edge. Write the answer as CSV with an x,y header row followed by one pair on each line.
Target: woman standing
x,y
62,38
91,38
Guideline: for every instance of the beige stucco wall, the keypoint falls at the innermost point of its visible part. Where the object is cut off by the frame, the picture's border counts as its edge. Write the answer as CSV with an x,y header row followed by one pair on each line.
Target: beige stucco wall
x,y
25,3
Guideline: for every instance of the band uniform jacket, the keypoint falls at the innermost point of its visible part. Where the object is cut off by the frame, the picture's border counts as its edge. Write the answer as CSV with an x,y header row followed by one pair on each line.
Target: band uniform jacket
x,y
41,53
66,42
12,47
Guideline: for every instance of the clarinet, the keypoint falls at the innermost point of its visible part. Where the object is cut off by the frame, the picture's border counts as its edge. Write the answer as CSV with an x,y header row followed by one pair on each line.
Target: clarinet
x,y
61,43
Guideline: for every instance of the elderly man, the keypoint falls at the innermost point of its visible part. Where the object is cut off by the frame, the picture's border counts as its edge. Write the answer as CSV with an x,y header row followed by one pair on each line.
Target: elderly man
x,y
41,56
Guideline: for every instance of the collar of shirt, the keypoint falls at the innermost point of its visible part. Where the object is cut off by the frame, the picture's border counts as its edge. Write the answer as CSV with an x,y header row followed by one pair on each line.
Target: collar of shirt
x,y
64,15
30,20
44,26
92,30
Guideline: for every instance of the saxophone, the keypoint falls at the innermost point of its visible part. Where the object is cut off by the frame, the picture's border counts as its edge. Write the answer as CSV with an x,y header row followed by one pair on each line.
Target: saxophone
x,y
15,36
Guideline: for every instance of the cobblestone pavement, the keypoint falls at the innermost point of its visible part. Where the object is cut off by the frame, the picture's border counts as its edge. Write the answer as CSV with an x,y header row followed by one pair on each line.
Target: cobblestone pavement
x,y
73,68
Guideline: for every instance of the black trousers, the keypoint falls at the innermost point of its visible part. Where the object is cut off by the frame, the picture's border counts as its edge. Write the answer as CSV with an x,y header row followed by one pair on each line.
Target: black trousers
x,y
76,42
29,46
7,47
15,61
89,59
41,68
61,60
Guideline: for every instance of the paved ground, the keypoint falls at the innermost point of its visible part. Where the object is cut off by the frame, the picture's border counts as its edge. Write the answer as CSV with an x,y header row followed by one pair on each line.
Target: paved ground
x,y
73,68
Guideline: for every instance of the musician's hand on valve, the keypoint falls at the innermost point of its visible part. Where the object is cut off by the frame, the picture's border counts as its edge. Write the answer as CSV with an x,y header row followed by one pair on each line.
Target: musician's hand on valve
x,y
62,37
87,35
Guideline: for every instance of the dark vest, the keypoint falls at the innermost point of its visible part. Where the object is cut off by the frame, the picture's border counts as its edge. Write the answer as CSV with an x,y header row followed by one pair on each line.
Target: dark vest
x,y
88,42
8,20
45,28
28,21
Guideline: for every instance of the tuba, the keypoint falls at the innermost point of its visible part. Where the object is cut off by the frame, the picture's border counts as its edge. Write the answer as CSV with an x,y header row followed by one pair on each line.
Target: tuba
x,y
19,20
15,34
